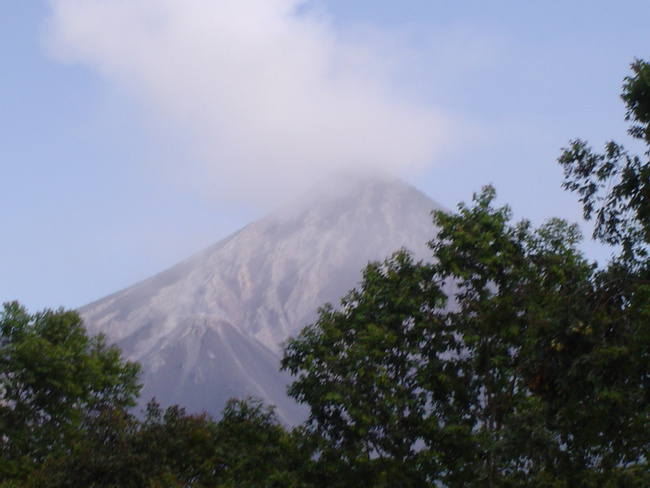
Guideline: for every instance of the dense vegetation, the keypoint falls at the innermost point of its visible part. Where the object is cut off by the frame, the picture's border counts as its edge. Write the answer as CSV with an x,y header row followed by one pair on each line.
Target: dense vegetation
x,y
535,371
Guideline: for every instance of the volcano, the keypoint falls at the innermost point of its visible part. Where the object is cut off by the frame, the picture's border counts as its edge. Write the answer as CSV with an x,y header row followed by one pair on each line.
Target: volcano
x,y
211,327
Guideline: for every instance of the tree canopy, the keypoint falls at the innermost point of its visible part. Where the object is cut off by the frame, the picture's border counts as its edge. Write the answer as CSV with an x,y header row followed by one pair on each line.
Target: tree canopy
x,y
516,380
66,420
53,377
173,449
533,372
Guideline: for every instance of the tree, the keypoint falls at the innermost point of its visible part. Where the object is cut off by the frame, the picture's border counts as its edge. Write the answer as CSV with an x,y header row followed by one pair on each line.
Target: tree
x,y
360,371
407,389
65,420
614,187
558,378
172,449
515,289
533,373
53,378
527,376
253,449
103,454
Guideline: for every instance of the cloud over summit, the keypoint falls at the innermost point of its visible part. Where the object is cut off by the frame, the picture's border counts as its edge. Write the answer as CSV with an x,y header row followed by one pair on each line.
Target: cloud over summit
x,y
270,93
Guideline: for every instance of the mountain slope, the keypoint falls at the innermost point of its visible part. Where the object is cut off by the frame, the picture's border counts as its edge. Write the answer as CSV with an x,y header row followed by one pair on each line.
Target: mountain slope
x,y
211,327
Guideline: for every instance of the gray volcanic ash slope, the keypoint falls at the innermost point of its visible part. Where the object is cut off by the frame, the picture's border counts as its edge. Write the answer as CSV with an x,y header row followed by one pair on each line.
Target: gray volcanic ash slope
x,y
210,328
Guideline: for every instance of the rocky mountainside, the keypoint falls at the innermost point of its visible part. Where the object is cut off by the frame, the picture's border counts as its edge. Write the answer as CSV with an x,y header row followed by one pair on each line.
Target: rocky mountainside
x,y
211,327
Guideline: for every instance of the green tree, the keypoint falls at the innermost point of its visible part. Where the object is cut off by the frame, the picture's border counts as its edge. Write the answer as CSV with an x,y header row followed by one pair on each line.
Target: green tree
x,y
558,379
360,371
103,454
523,378
614,186
406,389
53,377
172,449
357,370
533,373
513,285
254,450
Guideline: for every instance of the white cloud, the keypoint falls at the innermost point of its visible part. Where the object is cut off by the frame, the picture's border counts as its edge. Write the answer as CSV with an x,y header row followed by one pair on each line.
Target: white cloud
x,y
272,97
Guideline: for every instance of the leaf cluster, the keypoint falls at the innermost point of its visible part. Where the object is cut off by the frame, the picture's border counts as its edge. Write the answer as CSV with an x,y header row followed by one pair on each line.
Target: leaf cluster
x,y
53,377
614,186
66,420
170,448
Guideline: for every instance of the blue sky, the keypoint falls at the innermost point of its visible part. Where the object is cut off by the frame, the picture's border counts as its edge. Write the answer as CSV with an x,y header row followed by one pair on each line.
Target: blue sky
x,y
135,133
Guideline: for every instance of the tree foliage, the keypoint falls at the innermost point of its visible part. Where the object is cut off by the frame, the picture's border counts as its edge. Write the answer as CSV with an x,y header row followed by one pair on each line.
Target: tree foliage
x,y
66,420
53,377
614,186
534,372
173,449
405,388
360,371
